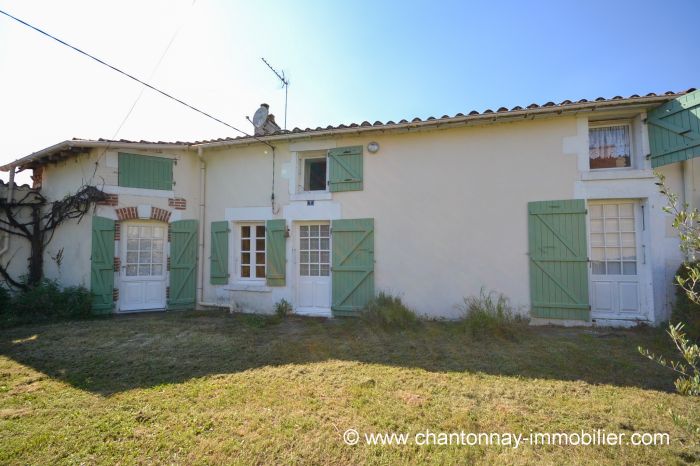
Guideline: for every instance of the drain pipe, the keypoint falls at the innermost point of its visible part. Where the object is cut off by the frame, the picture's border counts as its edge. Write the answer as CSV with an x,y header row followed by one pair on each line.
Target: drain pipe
x,y
202,206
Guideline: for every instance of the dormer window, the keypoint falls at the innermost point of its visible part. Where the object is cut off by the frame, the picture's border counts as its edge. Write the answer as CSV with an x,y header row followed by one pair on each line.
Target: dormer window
x,y
610,146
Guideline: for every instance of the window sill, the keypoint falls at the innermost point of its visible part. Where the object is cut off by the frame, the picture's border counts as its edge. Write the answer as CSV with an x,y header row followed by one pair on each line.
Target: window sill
x,y
616,174
311,196
255,287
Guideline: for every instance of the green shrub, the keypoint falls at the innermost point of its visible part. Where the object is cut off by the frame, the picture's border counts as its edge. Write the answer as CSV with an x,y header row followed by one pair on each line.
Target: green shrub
x,y
688,382
283,308
5,300
47,301
389,312
490,314
685,310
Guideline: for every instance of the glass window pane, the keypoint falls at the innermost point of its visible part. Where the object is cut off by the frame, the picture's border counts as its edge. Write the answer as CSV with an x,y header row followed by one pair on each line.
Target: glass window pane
x,y
325,243
157,257
144,270
260,244
595,211
130,270
304,256
145,244
612,239
157,270
629,254
325,257
260,231
245,258
314,230
132,257
313,243
245,231
145,257
626,210
627,224
132,245
259,258
157,244
629,268
598,268
628,239
304,244
157,232
304,231
245,245
325,230
133,231
313,257
260,271
245,271
611,225
612,253
325,270
597,254
610,210
146,232
313,270
596,226
614,268
597,239
304,270
609,147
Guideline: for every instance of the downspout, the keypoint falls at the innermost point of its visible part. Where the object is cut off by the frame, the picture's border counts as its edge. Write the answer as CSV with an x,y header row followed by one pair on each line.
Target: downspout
x,y
10,197
202,206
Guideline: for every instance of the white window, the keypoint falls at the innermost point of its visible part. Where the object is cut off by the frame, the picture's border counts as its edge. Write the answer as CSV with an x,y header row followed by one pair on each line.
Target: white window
x,y
251,252
144,251
613,239
314,250
609,146
313,171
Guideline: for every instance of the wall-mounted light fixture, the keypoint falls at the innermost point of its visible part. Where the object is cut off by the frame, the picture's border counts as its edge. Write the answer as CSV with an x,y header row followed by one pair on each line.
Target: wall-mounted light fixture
x,y
373,147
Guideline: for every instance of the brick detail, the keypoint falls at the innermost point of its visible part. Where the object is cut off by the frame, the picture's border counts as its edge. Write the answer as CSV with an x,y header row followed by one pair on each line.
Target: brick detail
x,y
169,233
117,264
115,294
127,213
117,231
160,214
111,200
178,203
167,292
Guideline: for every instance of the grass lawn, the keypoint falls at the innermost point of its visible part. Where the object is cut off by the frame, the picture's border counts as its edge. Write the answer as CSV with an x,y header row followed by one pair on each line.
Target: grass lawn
x,y
189,387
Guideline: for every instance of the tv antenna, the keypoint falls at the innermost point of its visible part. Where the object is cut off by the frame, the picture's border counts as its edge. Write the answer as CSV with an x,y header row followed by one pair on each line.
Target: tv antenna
x,y
285,85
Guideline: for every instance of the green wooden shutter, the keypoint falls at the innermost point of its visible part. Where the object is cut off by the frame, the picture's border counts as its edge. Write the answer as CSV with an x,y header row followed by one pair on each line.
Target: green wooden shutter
x,y
219,253
144,171
352,265
183,264
674,130
102,265
275,252
558,259
345,169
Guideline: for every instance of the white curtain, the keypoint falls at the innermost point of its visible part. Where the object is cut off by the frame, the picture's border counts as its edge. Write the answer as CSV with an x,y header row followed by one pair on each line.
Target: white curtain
x,y
612,141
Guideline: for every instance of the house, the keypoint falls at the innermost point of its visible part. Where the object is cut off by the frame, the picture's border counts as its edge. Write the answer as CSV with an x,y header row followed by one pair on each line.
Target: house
x,y
554,205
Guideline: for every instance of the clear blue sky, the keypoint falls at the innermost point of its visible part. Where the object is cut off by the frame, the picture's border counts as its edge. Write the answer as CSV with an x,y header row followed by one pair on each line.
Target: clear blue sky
x,y
347,62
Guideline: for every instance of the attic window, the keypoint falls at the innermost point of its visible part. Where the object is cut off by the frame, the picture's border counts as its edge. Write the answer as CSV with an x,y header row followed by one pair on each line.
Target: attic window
x,y
315,174
609,146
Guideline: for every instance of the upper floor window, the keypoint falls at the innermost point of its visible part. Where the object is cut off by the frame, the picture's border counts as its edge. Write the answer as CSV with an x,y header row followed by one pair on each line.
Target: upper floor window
x,y
313,171
145,171
610,146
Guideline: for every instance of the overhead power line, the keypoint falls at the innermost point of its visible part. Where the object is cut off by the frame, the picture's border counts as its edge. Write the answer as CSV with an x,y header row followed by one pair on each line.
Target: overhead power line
x,y
102,62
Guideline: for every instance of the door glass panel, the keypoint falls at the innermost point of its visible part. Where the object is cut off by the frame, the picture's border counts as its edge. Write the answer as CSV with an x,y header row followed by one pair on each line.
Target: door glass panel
x,y
314,250
613,239
144,251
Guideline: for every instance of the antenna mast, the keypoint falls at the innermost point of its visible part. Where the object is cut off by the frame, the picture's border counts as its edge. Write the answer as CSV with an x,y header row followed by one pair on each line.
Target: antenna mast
x,y
285,85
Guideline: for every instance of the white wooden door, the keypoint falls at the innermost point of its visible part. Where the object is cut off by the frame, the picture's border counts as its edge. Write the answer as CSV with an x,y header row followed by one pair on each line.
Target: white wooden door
x,y
616,259
143,267
314,269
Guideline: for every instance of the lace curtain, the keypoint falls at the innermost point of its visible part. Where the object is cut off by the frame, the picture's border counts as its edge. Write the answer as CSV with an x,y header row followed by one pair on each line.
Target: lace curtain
x,y
612,141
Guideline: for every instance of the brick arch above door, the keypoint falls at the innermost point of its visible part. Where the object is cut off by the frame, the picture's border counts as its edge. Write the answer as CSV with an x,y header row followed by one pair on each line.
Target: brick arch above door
x,y
143,212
